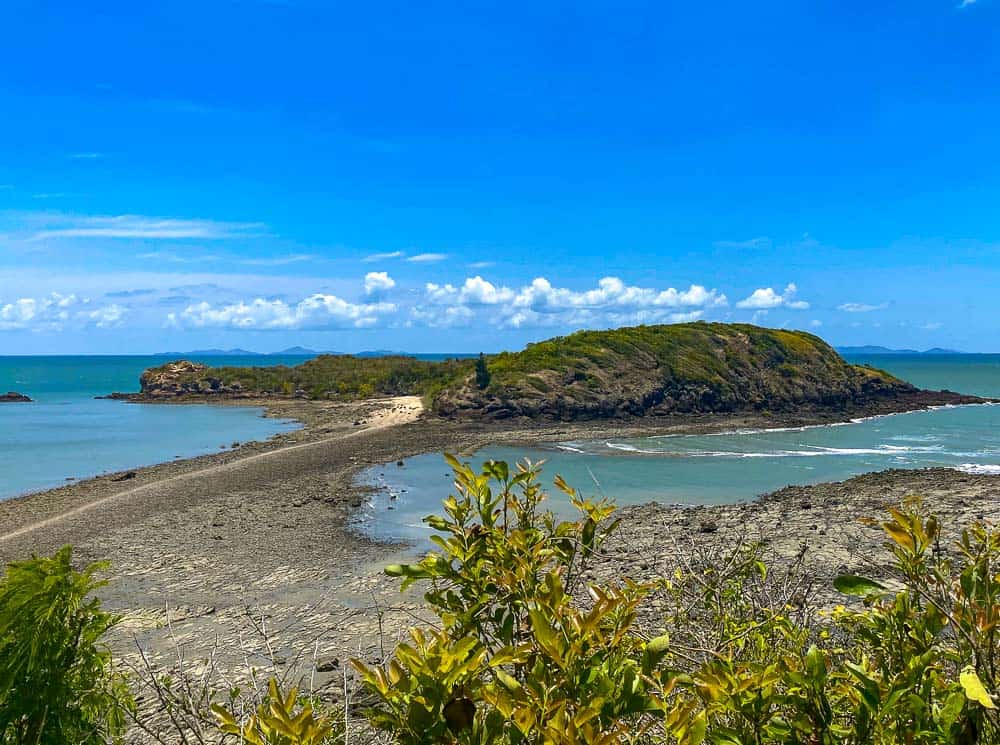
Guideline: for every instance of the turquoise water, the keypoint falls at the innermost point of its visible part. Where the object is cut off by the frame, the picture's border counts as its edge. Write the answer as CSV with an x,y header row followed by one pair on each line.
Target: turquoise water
x,y
711,469
66,433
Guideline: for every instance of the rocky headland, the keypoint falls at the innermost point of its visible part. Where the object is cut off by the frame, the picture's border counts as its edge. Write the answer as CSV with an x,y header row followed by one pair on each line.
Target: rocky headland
x,y
690,369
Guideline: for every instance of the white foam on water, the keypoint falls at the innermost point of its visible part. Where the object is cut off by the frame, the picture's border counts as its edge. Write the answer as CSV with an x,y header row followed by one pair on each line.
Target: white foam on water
x,y
804,427
755,431
812,451
979,469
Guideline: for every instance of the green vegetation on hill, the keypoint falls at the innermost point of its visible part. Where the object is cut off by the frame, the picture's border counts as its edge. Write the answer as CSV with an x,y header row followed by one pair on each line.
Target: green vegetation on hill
x,y
346,376
328,376
641,370
686,368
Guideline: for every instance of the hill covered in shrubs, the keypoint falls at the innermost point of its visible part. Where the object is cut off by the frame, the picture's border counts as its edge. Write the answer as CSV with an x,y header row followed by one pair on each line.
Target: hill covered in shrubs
x,y
692,368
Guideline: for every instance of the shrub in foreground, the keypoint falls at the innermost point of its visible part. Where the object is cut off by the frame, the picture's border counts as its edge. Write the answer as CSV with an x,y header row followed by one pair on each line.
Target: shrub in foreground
x,y
57,684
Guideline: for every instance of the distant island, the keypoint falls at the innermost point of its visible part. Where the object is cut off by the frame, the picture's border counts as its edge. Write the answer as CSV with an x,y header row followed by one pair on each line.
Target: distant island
x,y
306,352
644,371
869,349
290,352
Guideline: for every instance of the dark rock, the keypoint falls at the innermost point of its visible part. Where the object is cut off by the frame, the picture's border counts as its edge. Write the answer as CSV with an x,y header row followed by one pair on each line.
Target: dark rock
x,y
708,526
127,476
328,665
13,397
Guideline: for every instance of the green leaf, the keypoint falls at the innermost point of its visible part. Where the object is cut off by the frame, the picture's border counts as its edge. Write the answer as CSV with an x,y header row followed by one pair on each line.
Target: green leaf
x,y
852,584
974,688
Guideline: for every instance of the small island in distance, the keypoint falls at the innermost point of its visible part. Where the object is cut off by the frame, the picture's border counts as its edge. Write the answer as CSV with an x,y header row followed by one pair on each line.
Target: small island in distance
x,y
872,349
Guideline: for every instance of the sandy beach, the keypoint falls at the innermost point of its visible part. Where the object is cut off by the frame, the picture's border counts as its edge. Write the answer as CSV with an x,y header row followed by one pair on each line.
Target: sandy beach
x,y
247,557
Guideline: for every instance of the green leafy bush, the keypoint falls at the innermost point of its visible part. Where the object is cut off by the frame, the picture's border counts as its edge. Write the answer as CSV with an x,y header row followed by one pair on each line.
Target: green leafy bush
x,y
57,684
517,659
281,720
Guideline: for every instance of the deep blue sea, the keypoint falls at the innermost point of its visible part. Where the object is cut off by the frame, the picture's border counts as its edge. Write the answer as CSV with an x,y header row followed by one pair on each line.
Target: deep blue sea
x,y
66,433
706,469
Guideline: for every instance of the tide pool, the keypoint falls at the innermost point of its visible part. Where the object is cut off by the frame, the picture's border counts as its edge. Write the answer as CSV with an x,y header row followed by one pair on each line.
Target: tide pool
x,y
732,466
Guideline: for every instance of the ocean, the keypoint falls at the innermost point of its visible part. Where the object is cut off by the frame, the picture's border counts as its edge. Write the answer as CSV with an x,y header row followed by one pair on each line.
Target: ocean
x,y
734,466
68,434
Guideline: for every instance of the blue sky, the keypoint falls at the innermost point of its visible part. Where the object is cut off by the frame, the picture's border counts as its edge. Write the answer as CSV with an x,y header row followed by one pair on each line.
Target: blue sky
x,y
472,176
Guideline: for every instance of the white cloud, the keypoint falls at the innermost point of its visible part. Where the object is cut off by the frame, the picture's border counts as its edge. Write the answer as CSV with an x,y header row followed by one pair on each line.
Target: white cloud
x,y
319,311
175,258
278,260
427,258
139,226
383,256
541,303
86,156
765,298
861,307
456,315
56,311
481,264
107,317
966,3
760,242
932,326
376,282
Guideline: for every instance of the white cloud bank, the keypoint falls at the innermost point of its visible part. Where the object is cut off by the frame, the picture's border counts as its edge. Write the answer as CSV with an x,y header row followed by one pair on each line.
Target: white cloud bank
x,y
317,311
542,303
55,312
379,301
765,298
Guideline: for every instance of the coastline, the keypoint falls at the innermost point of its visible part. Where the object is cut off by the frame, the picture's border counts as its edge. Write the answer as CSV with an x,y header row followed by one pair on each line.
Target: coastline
x,y
332,420
194,544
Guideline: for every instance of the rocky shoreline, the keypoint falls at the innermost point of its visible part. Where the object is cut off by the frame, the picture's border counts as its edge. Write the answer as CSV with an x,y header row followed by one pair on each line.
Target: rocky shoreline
x,y
202,550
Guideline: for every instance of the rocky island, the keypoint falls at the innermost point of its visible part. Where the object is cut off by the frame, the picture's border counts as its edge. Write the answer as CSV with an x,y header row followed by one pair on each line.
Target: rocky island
x,y
13,397
647,372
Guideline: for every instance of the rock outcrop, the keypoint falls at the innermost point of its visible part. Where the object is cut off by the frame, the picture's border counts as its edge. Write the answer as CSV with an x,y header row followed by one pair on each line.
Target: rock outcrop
x,y
12,397
183,378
